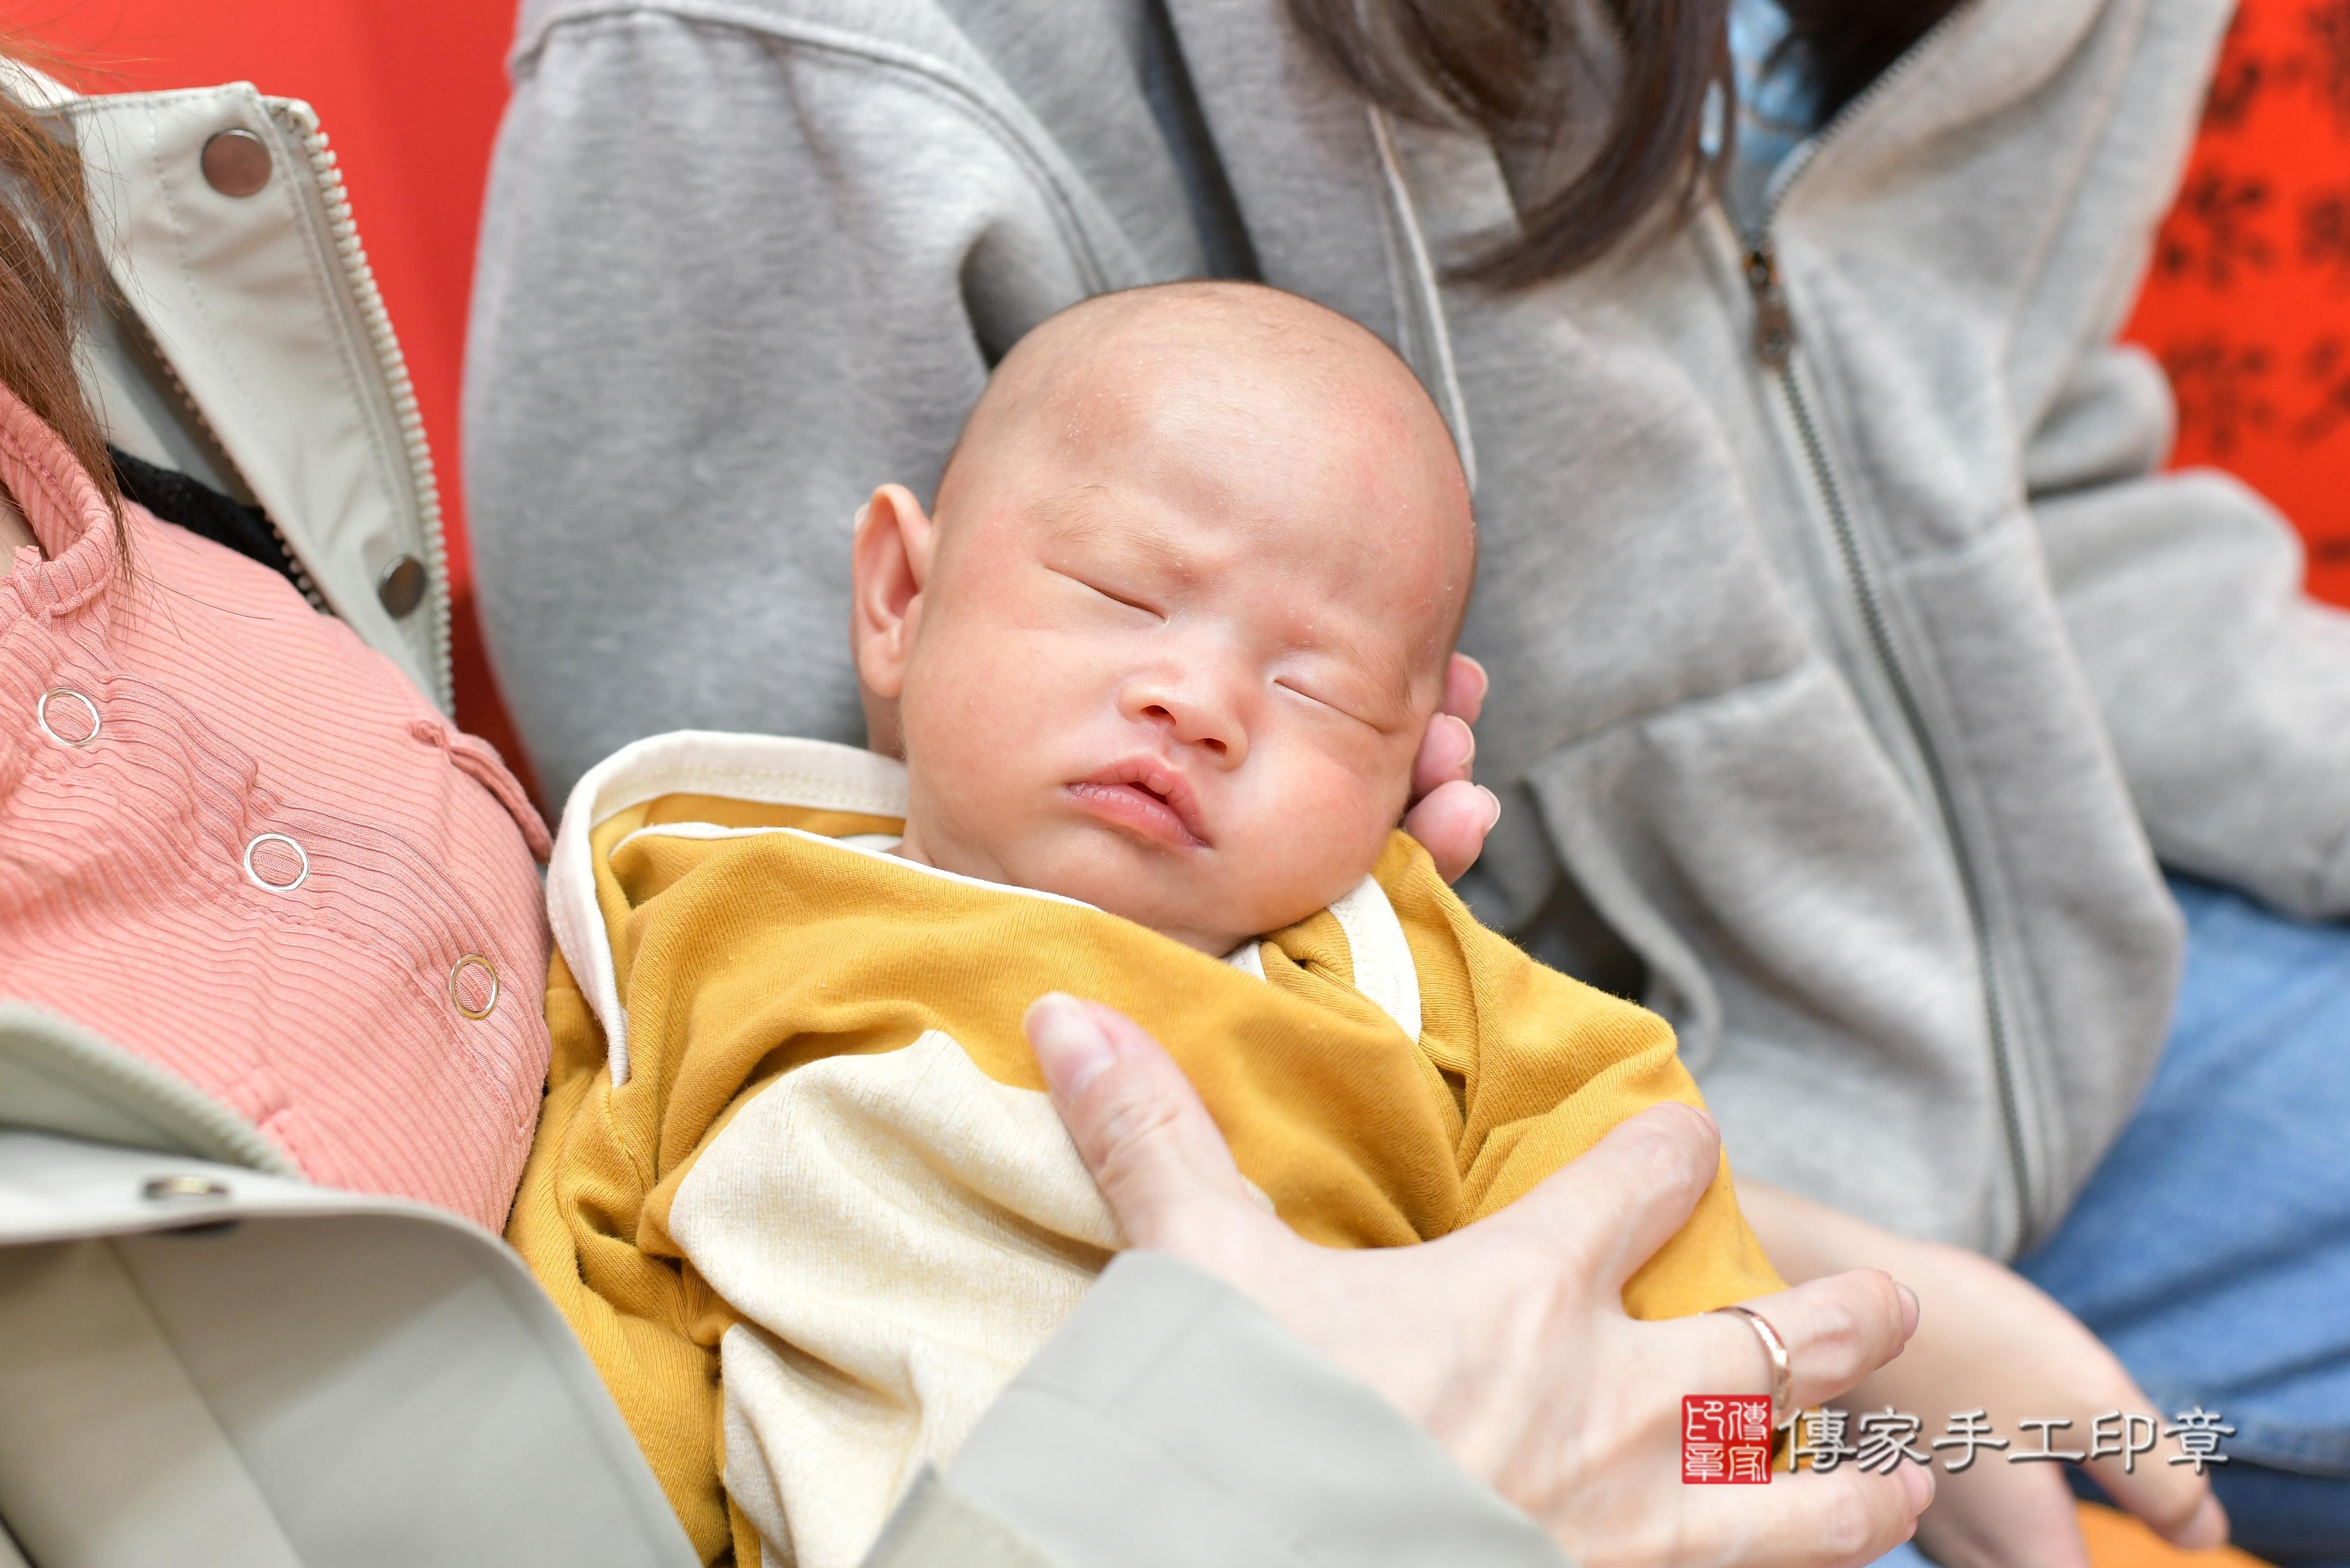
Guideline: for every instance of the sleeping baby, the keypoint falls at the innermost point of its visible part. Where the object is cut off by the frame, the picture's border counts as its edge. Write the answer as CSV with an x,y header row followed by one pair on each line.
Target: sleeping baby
x,y
1157,663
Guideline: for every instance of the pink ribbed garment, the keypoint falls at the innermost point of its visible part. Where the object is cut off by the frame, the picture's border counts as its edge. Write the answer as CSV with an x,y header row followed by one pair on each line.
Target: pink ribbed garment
x,y
228,709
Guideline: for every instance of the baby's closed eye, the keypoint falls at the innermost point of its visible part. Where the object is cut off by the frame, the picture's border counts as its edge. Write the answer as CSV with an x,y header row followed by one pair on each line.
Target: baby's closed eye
x,y
1127,596
1333,697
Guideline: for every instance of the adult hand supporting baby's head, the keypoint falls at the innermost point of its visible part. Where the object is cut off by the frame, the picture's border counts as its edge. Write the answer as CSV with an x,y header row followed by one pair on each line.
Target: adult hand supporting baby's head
x,y
1451,814
1507,1340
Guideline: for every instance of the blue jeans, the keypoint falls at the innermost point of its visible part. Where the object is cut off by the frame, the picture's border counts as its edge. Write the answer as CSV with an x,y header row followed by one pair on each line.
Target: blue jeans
x,y
2211,1247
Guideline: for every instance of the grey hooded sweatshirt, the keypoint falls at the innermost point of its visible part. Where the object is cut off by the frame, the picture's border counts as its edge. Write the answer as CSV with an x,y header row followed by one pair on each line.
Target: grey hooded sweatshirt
x,y
1852,661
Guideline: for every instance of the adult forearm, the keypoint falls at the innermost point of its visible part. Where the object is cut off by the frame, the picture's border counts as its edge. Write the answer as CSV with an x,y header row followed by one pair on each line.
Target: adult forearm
x,y
1808,1240
1991,1342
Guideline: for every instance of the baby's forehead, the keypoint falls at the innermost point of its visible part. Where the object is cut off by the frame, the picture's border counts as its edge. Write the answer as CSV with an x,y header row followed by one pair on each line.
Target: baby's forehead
x,y
1242,346
1291,417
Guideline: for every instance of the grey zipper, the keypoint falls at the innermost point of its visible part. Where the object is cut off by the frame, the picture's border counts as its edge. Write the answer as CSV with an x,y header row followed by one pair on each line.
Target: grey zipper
x,y
1775,339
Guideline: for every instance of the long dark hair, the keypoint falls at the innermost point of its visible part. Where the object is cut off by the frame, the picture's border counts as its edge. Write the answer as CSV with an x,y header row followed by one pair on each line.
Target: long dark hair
x,y
52,274
1520,71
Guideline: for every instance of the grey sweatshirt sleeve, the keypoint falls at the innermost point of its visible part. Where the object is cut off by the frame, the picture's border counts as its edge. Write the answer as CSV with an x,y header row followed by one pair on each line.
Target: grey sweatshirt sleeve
x,y
1171,1424
2226,689
739,266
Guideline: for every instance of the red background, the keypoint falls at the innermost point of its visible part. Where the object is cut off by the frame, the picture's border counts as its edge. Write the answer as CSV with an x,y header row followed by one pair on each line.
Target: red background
x,y
2248,305
2249,300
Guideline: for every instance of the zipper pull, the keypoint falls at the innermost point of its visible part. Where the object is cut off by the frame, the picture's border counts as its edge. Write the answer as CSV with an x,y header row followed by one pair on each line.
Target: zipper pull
x,y
1774,324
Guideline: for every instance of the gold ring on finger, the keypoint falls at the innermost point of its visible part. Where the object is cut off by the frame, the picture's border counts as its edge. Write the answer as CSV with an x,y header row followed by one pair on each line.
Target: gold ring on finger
x,y
1783,1377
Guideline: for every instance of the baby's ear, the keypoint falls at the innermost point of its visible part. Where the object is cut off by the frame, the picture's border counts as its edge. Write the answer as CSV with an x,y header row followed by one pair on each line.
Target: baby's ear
x,y
890,564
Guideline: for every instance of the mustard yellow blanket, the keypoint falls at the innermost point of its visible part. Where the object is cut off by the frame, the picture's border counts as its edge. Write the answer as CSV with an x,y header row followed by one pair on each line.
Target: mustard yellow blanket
x,y
798,1186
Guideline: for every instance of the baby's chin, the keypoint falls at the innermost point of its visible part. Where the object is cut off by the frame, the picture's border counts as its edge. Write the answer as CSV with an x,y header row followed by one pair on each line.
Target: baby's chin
x,y
1209,918
1215,943
1205,925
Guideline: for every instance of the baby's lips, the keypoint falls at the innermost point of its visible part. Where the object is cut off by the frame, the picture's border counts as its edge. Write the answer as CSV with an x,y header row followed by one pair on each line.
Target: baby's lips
x,y
1135,812
1156,780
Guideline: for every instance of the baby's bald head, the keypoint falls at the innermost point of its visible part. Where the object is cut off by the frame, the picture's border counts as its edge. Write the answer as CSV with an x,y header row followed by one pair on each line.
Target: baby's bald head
x,y
1170,640
1177,371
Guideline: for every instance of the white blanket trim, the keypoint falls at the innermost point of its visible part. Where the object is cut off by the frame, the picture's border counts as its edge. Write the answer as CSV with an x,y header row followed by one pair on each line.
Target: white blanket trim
x,y
775,770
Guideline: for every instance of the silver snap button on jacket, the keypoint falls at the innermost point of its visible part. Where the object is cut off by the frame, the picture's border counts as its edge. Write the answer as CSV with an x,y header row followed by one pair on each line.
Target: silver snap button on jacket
x,y
166,1189
401,587
235,163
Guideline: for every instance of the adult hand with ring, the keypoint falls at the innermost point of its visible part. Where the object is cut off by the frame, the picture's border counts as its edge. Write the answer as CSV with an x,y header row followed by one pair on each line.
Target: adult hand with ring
x,y
1774,1352
1507,1340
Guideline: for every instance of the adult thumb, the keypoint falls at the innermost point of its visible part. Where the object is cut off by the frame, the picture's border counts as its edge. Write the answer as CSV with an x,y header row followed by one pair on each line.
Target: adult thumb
x,y
1154,1151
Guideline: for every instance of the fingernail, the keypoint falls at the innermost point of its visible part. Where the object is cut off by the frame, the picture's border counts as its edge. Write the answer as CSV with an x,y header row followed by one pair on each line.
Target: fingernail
x,y
1909,1309
1494,801
1468,734
1070,1045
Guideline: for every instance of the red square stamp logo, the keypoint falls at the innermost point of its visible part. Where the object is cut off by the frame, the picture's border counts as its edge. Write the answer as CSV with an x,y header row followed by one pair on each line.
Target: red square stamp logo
x,y
1726,1439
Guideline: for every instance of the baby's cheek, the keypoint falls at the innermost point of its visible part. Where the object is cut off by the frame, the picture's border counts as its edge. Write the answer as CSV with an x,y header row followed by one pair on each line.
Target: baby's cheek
x,y
971,723
992,683
1322,830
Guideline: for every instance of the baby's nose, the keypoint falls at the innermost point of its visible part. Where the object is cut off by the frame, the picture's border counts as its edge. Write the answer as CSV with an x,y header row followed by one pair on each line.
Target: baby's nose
x,y
1197,719
1215,745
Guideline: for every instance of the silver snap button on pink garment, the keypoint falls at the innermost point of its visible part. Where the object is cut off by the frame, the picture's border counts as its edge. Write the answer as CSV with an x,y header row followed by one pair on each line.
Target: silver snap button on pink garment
x,y
235,163
55,715
276,863
473,987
